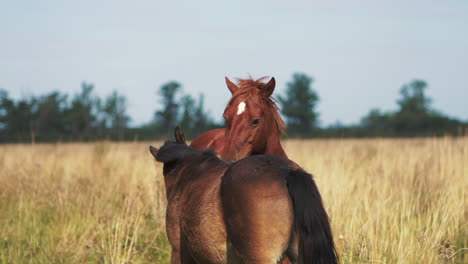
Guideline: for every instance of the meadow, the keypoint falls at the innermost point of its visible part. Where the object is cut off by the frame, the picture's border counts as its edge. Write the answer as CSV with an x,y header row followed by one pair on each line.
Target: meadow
x,y
389,200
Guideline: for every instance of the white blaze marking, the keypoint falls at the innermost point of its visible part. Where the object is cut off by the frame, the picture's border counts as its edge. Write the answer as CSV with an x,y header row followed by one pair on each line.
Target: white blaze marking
x,y
241,108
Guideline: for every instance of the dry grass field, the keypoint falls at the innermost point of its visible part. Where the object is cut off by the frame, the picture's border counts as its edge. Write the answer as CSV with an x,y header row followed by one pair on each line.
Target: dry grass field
x,y
389,200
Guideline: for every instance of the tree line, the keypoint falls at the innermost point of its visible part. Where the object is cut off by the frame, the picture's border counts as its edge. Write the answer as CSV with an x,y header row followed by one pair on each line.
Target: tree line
x,y
87,117
414,117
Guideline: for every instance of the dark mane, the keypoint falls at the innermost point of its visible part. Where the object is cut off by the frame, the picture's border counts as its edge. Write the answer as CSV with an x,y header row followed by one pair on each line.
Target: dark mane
x,y
173,151
249,88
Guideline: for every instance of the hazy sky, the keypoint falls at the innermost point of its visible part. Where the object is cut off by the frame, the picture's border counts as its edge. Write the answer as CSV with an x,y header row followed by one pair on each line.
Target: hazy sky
x,y
359,52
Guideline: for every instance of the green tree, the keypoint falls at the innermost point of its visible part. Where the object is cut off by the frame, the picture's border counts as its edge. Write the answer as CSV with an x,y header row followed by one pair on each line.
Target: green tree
x,y
188,114
115,115
377,123
17,118
298,105
49,118
413,100
413,117
202,120
82,114
167,118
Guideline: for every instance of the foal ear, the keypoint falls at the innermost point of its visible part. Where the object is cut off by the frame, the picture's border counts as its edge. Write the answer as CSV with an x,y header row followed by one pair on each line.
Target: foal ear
x,y
231,86
268,88
154,151
179,136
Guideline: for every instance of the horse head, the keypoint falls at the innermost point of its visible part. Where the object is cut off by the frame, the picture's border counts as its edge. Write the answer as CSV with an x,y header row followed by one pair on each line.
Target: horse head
x,y
252,119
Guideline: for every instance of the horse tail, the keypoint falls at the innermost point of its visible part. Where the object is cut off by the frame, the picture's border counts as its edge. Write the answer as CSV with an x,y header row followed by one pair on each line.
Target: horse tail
x,y
312,224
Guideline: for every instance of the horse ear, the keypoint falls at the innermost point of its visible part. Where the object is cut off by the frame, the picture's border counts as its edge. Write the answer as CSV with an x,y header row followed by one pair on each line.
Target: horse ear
x,y
154,151
179,136
268,88
231,86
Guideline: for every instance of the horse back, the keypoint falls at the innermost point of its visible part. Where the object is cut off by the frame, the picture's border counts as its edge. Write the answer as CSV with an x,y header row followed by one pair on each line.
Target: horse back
x,y
258,210
211,139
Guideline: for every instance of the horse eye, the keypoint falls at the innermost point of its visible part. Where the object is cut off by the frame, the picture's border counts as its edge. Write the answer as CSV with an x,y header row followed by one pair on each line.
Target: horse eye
x,y
255,122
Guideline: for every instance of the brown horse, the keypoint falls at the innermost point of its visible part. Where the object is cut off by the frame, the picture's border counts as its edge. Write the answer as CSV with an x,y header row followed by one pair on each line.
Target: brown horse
x,y
253,124
256,210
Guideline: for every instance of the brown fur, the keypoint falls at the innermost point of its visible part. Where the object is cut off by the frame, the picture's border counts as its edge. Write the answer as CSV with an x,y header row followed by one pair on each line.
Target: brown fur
x,y
241,138
249,87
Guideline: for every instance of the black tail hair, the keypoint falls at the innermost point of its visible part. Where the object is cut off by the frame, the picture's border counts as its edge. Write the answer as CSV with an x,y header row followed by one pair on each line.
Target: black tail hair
x,y
315,236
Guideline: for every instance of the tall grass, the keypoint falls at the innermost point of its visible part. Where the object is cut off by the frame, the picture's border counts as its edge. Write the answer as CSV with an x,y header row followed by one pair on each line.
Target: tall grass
x,y
390,201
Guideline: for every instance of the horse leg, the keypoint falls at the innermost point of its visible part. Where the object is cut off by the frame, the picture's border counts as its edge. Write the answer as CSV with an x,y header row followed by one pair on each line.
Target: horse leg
x,y
173,231
234,257
185,257
175,257
174,240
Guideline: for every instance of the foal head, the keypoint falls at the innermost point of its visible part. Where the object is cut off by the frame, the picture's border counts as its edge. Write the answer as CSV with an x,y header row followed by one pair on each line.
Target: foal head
x,y
173,153
252,119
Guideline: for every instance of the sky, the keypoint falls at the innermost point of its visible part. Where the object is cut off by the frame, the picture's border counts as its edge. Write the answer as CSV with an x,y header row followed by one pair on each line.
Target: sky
x,y
359,53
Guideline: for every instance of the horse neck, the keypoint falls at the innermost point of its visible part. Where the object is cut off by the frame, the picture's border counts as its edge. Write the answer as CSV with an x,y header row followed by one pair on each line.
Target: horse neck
x,y
274,147
170,186
172,179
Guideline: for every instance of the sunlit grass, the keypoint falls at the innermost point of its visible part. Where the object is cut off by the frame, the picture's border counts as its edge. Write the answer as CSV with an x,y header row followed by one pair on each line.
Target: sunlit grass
x,y
390,201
